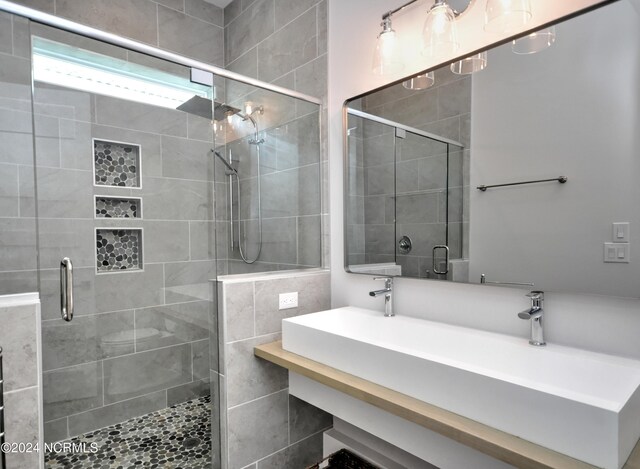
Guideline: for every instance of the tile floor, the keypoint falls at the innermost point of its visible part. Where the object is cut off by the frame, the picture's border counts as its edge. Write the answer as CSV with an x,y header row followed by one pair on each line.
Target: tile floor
x,y
178,437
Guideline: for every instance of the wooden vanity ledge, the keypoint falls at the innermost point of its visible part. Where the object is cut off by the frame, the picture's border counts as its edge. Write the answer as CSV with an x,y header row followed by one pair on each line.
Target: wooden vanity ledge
x,y
500,445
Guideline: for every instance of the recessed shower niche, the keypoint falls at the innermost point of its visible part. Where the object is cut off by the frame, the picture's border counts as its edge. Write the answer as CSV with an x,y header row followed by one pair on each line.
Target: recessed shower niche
x,y
118,249
107,206
116,164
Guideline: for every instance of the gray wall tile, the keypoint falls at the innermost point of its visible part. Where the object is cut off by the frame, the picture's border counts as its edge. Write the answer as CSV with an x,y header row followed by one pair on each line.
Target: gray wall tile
x,y
22,424
311,78
17,244
188,392
121,291
175,199
19,344
175,4
86,339
249,377
190,37
116,413
201,357
203,238
175,324
305,453
250,27
288,48
287,10
187,159
313,295
188,281
142,373
129,18
72,390
257,428
56,430
9,195
206,12
166,241
43,5
309,232
142,117
239,312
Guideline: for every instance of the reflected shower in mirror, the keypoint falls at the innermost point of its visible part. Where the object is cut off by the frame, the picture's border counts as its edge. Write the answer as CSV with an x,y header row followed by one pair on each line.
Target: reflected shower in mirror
x,y
523,173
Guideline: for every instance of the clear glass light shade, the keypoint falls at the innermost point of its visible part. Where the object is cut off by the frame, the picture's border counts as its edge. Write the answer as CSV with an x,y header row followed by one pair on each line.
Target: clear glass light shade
x,y
439,34
505,16
420,82
387,59
469,65
535,42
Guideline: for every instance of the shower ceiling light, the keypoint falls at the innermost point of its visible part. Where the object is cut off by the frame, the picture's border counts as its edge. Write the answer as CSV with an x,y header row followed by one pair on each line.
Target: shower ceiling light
x,y
420,82
69,67
534,42
439,34
386,60
506,16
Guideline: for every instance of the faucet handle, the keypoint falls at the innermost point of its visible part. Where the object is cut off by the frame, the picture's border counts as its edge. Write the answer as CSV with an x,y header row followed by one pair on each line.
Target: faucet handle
x,y
387,281
535,295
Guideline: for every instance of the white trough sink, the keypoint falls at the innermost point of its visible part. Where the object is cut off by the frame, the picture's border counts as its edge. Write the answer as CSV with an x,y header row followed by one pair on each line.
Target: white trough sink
x,y
583,404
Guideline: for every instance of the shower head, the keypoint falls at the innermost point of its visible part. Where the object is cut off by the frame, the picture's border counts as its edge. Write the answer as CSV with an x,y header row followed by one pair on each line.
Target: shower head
x,y
204,107
226,163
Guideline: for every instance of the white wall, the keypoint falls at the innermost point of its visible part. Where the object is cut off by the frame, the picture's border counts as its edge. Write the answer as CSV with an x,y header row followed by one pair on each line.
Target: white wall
x,y
552,234
598,323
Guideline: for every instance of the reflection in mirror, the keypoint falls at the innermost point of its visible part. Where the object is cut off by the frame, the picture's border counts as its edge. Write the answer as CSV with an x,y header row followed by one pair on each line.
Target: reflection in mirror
x,y
415,160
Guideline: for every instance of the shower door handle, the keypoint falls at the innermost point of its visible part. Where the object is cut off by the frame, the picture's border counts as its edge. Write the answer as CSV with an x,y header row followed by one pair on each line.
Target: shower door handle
x,y
66,289
446,259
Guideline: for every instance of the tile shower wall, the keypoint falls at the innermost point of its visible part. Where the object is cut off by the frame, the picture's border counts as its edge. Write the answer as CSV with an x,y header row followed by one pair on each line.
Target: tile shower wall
x,y
192,28
139,340
263,426
17,225
422,168
22,382
285,42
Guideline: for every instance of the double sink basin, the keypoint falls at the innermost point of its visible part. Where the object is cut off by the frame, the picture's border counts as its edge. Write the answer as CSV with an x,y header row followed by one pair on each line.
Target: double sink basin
x,y
582,404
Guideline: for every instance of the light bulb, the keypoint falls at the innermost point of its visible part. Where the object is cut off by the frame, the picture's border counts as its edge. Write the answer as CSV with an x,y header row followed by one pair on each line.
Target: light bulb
x,y
386,59
439,34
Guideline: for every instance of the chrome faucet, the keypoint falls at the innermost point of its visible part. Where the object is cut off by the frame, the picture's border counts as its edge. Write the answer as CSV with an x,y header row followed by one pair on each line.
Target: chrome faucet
x,y
387,292
534,314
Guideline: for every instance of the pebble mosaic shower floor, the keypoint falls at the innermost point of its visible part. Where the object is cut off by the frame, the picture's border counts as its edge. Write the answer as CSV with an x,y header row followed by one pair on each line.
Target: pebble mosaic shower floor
x,y
178,437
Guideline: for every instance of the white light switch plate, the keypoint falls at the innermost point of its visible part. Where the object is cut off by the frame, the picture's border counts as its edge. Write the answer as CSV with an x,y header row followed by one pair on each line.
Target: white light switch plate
x,y
621,232
288,300
617,252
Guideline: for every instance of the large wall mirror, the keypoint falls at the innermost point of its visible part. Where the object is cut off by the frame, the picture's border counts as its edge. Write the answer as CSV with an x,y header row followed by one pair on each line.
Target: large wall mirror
x,y
431,174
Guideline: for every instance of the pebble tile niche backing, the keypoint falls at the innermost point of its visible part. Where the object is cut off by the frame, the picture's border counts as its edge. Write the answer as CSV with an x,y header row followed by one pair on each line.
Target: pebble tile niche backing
x,y
116,164
118,249
118,207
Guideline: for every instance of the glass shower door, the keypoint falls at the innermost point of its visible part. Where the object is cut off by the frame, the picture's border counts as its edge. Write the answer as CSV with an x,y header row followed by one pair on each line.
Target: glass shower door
x,y
124,184
422,205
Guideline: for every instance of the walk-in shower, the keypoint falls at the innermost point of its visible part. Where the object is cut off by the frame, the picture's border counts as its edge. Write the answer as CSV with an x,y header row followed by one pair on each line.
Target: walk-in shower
x,y
108,144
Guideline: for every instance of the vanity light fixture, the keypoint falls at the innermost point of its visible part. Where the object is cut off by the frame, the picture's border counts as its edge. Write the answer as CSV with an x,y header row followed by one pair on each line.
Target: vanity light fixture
x,y
420,82
505,16
470,65
386,60
440,34
534,42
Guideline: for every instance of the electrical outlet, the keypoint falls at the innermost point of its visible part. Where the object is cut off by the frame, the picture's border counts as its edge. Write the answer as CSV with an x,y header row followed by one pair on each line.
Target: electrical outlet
x,y
288,300
617,253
